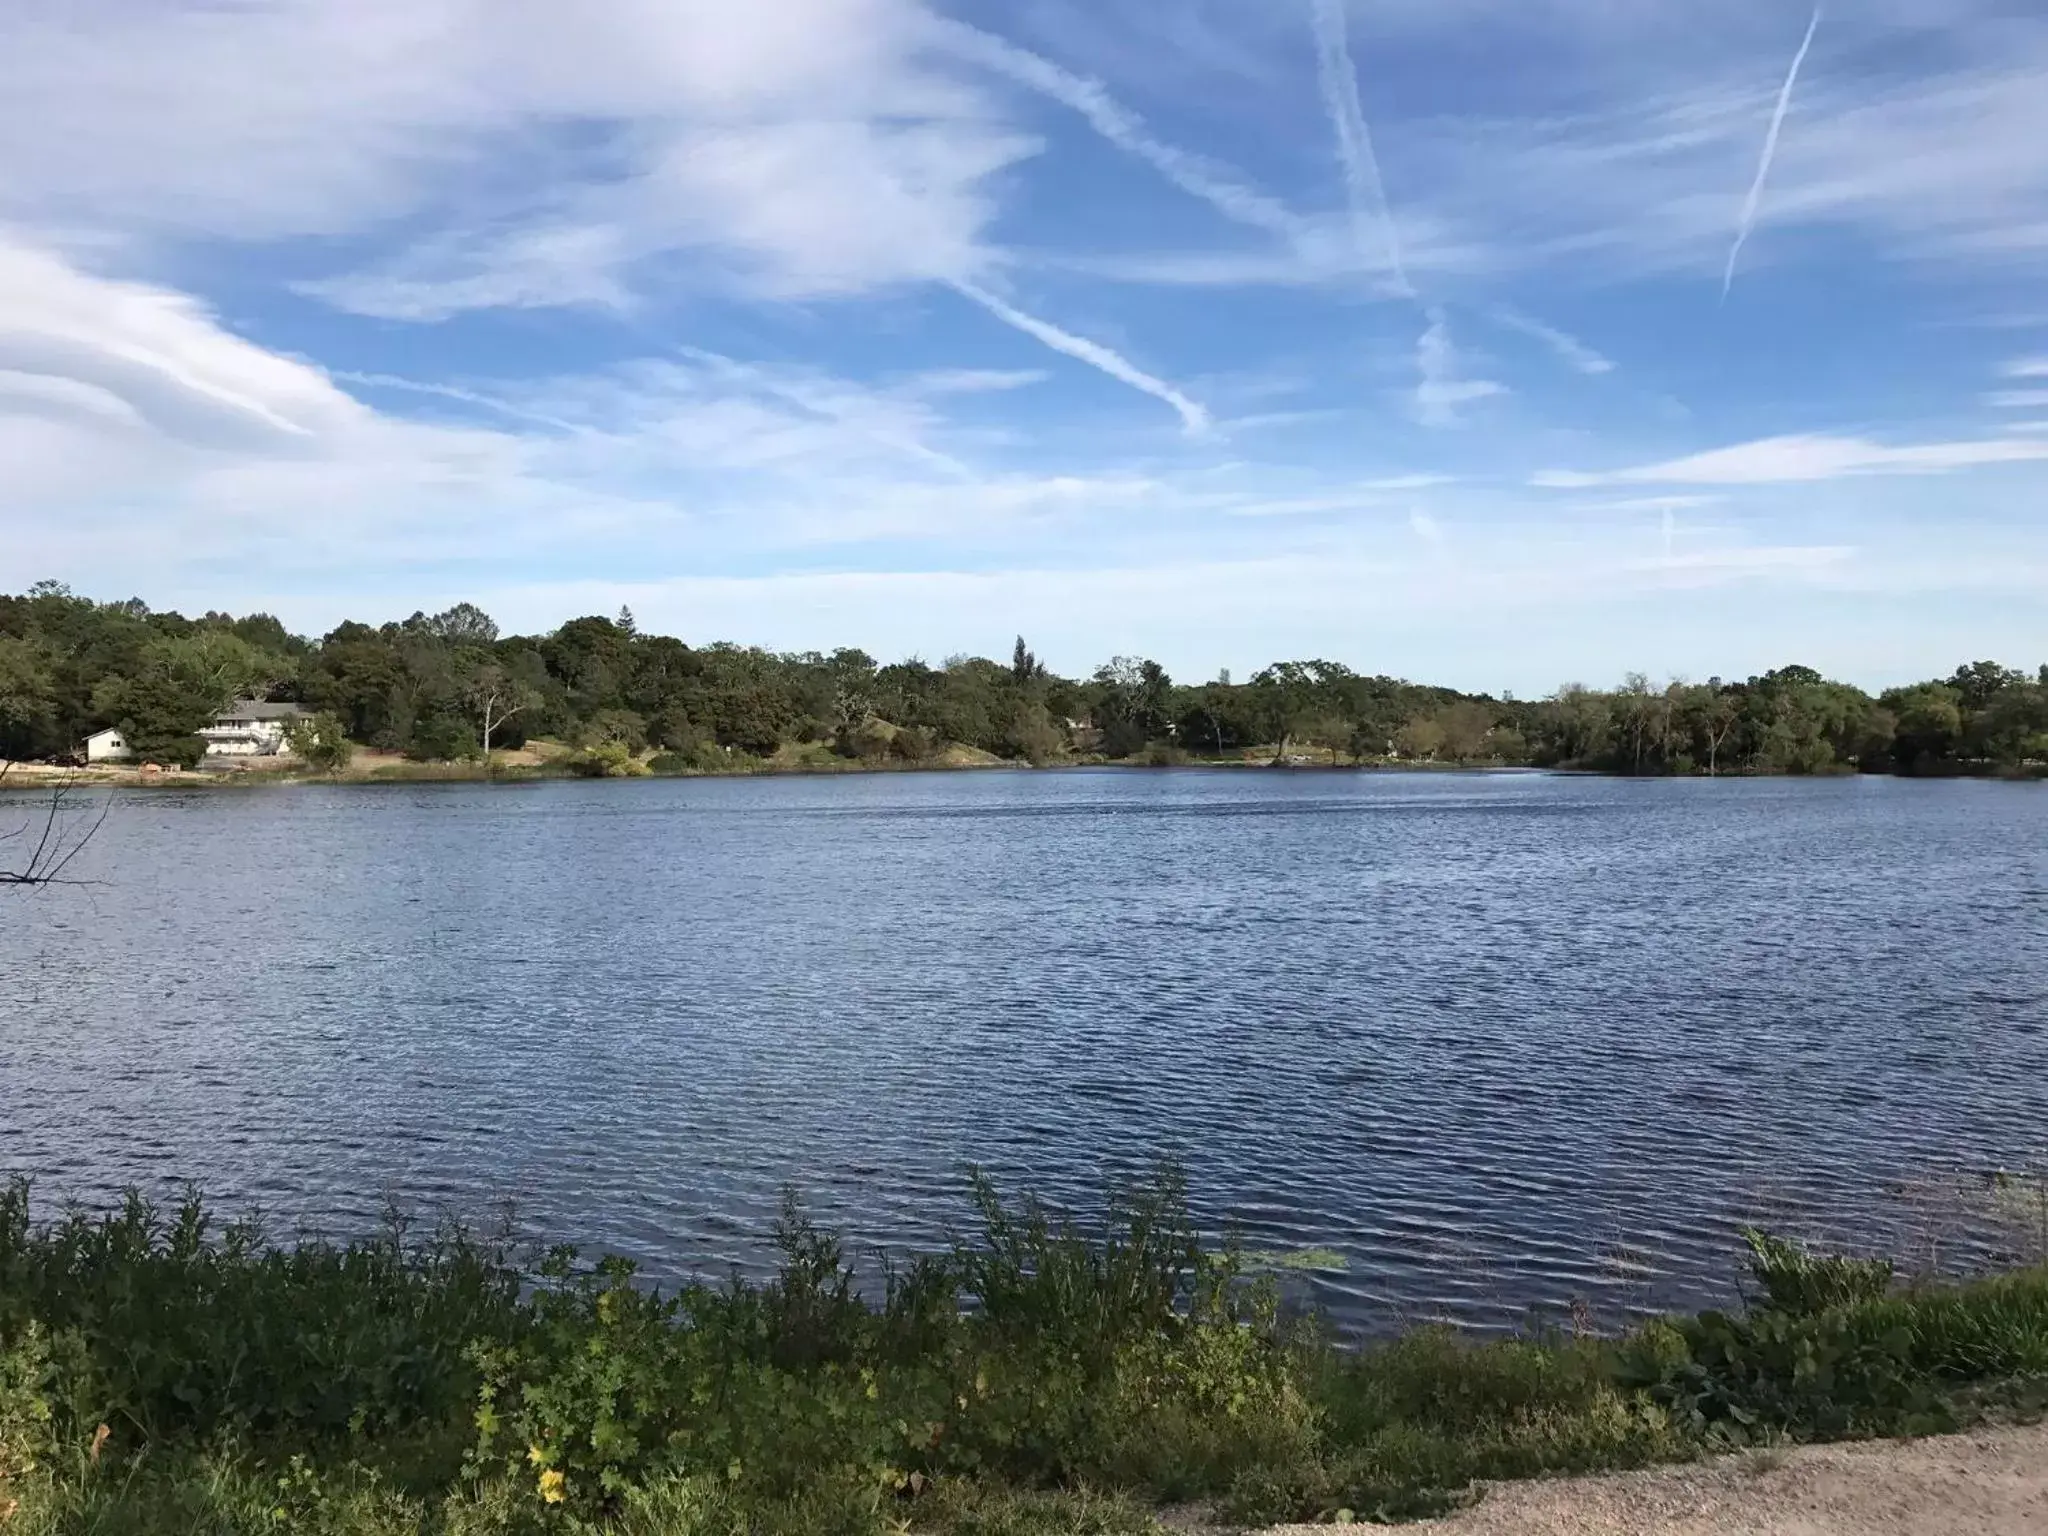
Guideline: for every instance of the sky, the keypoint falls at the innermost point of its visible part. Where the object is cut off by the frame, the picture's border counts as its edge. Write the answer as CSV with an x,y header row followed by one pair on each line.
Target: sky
x,y
1498,343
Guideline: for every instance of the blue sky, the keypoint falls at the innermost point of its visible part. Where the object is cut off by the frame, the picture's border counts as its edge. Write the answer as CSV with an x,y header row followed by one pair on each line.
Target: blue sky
x,y
1497,344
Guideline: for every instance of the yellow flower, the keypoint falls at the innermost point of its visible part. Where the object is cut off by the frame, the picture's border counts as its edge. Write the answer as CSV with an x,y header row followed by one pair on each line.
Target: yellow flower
x,y
536,1455
553,1486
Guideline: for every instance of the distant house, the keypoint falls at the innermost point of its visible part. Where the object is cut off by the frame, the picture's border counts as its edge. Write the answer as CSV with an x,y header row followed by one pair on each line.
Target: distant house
x,y
250,728
108,746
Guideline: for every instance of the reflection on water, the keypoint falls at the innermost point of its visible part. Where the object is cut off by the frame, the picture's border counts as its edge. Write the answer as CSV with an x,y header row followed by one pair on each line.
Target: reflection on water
x,y
1501,1041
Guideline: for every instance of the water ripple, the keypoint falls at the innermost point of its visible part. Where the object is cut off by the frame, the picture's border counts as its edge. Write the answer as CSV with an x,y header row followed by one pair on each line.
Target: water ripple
x,y
1502,1041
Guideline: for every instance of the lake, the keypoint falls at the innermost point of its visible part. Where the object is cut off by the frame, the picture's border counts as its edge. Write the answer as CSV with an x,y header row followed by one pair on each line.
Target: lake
x,y
1501,1041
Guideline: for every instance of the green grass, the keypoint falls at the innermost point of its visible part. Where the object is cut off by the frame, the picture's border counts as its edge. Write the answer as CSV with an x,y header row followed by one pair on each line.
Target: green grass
x,y
1045,1376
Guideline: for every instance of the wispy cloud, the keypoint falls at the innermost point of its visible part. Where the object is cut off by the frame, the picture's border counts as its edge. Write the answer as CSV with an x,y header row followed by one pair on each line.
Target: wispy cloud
x,y
974,381
2026,368
856,410
1754,201
1794,459
1574,352
1363,185
2018,399
1193,414
1224,189
1650,504
1443,389
461,394
156,357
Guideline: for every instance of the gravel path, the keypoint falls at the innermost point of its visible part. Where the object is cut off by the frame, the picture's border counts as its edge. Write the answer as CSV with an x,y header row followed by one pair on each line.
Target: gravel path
x,y
1992,1483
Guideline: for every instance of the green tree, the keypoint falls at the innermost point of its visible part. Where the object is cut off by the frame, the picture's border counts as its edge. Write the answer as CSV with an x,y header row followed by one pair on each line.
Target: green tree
x,y
1709,715
1420,740
1930,724
1977,685
28,699
1132,698
180,684
1033,736
321,742
1579,726
1467,729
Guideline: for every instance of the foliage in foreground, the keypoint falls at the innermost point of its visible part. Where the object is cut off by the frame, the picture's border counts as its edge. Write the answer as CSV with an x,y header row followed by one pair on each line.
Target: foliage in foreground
x,y
1041,1378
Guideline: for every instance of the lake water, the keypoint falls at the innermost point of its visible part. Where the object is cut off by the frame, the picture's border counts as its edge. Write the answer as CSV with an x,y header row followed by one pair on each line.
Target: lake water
x,y
1501,1041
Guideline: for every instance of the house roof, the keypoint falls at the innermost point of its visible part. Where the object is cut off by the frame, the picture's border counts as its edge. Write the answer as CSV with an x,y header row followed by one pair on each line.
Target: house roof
x,y
258,709
105,731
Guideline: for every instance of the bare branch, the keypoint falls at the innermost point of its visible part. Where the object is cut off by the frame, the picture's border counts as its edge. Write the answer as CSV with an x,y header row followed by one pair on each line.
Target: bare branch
x,y
59,840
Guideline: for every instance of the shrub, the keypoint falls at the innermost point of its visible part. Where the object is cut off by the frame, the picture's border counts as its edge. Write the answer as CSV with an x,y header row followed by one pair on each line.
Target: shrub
x,y
607,760
409,1383
915,744
169,751
321,742
176,1329
1804,1283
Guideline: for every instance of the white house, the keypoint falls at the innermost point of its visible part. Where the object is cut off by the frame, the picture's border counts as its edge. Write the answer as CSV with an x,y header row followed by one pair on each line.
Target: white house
x,y
108,746
250,728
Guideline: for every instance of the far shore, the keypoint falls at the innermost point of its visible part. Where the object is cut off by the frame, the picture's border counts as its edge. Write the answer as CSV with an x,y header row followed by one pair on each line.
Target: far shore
x,y
394,770
545,762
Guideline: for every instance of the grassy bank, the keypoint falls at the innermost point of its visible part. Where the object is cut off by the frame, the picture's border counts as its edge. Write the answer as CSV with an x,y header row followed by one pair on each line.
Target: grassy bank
x,y
156,1375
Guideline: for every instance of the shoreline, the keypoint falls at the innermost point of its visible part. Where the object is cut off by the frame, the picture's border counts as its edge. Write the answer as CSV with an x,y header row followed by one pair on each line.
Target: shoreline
x,y
27,777
34,776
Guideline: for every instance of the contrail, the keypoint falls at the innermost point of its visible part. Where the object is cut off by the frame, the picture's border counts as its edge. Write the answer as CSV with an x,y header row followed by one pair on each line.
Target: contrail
x,y
1368,193
1224,189
824,403
1763,169
452,392
1575,352
1193,414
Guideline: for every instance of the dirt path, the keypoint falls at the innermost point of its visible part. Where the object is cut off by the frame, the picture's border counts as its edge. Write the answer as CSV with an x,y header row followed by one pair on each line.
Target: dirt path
x,y
1992,1483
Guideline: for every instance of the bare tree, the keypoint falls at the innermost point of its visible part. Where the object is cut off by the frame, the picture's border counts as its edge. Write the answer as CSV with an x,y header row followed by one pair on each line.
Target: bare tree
x,y
497,697
43,847
1721,719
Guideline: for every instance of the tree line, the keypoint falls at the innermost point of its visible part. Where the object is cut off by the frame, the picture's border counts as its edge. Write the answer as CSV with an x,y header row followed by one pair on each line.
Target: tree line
x,y
449,686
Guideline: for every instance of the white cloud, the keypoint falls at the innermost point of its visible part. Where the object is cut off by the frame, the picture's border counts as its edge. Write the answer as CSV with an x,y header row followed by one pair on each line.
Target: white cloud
x,y
1442,390
534,155
785,211
2018,399
299,116
1783,460
1665,506
1408,482
974,381
2027,368
131,353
